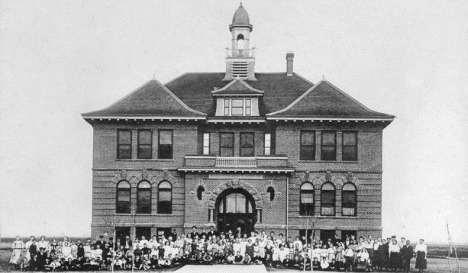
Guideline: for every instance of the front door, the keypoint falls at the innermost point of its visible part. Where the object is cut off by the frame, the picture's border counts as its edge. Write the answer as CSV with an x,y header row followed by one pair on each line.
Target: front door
x,y
327,234
143,231
235,208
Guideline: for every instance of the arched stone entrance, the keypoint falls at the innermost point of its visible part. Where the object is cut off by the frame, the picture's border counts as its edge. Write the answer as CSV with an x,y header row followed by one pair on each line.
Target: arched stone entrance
x,y
234,208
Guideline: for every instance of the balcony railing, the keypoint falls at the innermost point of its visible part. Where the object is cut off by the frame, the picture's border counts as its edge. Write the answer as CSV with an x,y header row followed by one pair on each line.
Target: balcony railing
x,y
210,161
236,162
240,53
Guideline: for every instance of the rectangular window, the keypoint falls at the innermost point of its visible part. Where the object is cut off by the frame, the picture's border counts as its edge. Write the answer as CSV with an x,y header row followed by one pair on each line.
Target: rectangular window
x,y
226,144
226,107
349,152
145,144
165,149
247,144
124,144
328,203
328,145
206,143
267,144
237,107
248,107
307,145
123,200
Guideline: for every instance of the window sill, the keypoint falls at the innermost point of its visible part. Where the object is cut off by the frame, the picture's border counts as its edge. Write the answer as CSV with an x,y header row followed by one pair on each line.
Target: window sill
x,y
331,216
143,214
143,160
327,161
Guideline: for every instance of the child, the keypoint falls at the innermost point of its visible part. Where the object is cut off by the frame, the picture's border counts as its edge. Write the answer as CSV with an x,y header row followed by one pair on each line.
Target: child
x,y
247,259
230,258
208,259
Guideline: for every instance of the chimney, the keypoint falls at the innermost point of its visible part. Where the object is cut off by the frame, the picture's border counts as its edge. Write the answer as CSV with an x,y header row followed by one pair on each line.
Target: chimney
x,y
289,63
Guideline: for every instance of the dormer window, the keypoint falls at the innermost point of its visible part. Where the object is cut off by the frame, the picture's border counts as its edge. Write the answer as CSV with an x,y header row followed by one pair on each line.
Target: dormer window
x,y
237,107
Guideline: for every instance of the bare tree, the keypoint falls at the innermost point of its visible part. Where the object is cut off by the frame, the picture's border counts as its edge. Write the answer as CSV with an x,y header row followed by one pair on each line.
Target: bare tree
x,y
308,223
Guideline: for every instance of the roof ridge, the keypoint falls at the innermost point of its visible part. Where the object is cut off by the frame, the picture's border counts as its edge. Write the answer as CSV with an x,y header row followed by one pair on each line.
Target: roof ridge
x,y
295,101
178,100
121,99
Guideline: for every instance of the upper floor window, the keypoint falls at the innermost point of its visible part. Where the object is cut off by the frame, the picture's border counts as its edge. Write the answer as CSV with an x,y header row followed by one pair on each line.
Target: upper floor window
x,y
307,145
328,199
267,148
226,144
165,198
328,145
123,197
206,143
349,151
145,144
200,192
306,199
247,144
144,197
124,144
165,147
237,107
349,200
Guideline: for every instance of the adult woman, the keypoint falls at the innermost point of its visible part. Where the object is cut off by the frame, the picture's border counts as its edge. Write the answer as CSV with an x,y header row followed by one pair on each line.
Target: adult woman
x,y
44,244
32,241
17,247
421,253
394,251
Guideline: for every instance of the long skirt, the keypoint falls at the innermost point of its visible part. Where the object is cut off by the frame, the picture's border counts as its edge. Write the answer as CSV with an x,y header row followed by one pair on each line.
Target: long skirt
x,y
15,256
394,261
421,262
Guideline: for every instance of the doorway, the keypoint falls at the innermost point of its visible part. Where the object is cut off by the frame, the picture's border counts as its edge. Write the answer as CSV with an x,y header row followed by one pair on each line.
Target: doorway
x,y
235,208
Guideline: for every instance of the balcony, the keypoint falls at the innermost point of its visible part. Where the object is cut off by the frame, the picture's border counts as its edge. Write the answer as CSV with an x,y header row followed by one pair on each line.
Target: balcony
x,y
209,163
240,53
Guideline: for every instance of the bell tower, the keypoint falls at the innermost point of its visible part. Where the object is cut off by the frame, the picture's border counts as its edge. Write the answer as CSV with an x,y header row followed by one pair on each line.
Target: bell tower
x,y
240,58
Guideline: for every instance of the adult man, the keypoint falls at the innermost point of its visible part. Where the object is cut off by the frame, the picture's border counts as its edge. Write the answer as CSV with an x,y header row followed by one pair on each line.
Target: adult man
x,y
174,234
406,255
194,232
126,243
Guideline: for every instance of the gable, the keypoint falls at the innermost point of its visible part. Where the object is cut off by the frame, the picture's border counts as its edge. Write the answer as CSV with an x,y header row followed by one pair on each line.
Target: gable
x,y
151,99
326,100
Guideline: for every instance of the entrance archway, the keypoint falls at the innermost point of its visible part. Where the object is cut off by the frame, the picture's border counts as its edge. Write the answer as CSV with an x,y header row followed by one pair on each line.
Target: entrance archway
x,y
235,208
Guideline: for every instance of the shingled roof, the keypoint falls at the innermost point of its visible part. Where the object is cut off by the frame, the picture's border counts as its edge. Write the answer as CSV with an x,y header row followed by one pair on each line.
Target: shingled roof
x,y
326,100
279,89
153,99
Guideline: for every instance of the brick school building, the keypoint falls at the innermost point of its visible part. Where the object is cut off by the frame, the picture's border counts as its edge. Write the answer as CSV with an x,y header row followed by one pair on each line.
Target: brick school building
x,y
238,148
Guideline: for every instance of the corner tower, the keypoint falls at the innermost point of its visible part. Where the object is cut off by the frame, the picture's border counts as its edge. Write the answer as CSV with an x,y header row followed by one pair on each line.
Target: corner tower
x,y
240,58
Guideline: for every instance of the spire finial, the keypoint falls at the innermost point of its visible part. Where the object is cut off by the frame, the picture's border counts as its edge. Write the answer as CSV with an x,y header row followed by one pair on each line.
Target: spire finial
x,y
323,77
154,76
241,3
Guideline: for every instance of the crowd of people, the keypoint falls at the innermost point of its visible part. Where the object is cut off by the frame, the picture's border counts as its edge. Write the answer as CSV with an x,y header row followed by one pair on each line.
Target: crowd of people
x,y
210,247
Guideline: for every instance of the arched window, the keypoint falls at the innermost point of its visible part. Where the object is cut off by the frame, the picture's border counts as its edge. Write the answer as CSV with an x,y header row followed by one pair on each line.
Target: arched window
x,y
271,193
165,198
306,199
328,199
240,42
235,203
123,197
200,192
349,199
144,197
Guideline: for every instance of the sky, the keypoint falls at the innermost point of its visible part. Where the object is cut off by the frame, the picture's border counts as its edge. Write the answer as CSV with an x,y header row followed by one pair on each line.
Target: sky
x,y
59,59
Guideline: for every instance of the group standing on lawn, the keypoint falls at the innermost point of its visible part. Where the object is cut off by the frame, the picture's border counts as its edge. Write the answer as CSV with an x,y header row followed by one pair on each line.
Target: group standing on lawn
x,y
211,247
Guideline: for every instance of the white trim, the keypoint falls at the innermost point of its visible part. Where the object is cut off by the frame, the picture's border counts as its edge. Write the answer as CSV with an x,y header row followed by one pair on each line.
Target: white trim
x,y
141,118
234,81
236,170
330,119
337,89
179,100
200,157
295,101
235,120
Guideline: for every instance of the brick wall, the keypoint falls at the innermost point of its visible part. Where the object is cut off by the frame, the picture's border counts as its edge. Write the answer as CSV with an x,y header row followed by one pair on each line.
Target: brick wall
x,y
188,210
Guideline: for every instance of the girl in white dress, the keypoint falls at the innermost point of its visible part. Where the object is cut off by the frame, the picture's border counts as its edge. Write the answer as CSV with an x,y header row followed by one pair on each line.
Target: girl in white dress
x,y
17,247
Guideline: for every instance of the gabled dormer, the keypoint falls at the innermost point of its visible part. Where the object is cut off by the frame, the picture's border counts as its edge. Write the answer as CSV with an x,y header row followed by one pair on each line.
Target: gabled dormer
x,y
237,99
